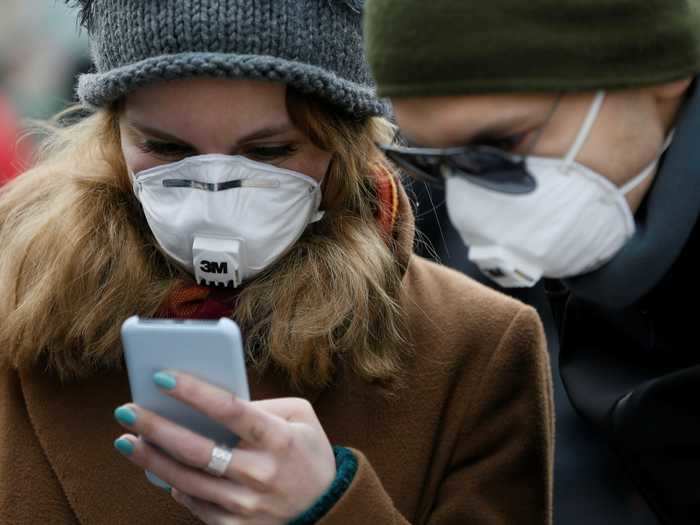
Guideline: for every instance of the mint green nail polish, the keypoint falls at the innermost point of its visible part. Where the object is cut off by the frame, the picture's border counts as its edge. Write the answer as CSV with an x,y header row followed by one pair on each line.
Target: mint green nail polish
x,y
125,415
164,380
124,446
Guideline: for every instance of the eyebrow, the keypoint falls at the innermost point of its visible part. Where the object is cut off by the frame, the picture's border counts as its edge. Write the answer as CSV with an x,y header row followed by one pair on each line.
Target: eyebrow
x,y
263,133
507,126
490,131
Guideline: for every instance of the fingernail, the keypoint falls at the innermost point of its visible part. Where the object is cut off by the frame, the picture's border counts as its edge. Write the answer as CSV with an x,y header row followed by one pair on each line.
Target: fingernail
x,y
164,380
125,415
124,446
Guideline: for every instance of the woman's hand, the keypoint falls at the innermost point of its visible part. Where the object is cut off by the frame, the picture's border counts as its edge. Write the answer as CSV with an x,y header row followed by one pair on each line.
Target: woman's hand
x,y
282,465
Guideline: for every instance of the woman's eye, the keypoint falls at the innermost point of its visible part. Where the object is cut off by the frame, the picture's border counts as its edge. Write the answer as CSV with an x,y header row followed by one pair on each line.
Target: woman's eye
x,y
165,149
267,153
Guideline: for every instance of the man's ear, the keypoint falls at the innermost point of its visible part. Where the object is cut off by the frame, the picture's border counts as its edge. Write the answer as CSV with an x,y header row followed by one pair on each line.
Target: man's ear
x,y
671,90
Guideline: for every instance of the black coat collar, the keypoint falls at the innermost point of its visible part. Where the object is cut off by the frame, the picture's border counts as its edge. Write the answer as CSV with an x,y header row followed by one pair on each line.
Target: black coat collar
x,y
664,223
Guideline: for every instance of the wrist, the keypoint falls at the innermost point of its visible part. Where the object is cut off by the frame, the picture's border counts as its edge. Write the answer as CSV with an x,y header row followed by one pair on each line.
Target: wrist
x,y
346,467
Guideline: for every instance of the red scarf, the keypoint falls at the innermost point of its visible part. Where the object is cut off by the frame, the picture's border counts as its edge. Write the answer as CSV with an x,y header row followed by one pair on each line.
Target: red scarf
x,y
201,302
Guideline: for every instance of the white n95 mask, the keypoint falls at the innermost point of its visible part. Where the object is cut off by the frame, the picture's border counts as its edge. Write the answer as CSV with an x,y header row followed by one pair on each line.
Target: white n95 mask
x,y
573,222
226,218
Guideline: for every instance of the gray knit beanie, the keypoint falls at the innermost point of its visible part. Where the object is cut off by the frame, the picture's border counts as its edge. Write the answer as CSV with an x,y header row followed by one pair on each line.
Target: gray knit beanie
x,y
314,46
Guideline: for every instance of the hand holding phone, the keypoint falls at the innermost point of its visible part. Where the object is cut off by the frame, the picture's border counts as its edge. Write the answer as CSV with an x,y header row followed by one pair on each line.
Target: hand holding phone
x,y
209,350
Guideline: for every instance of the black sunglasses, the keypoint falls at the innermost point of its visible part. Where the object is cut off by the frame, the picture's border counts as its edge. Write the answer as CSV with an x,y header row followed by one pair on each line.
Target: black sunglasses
x,y
482,165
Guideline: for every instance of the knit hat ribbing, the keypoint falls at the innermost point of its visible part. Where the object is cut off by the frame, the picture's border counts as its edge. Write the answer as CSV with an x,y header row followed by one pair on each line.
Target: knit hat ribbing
x,y
313,45
446,47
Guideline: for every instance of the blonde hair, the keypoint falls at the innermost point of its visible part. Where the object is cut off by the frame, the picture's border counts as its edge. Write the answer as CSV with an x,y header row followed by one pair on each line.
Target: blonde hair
x,y
78,258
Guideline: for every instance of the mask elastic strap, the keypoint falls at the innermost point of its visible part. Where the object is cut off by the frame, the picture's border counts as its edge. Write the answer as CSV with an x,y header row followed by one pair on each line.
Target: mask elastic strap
x,y
319,214
134,185
584,131
649,170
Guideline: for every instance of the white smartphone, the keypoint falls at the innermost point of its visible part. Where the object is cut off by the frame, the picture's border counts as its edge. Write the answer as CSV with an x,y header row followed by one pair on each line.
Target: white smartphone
x,y
209,350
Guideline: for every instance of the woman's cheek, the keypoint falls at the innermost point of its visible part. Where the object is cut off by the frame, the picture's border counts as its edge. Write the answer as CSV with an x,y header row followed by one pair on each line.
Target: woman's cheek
x,y
137,160
310,161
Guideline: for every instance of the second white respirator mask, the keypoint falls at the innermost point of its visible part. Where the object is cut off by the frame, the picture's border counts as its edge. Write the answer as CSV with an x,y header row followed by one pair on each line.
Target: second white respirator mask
x,y
226,218
575,220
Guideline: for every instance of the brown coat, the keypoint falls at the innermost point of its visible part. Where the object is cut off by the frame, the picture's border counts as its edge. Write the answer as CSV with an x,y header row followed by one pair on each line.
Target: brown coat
x,y
469,439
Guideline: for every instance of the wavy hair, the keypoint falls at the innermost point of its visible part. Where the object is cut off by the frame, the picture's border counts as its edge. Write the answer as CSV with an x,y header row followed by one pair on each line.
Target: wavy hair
x,y
78,258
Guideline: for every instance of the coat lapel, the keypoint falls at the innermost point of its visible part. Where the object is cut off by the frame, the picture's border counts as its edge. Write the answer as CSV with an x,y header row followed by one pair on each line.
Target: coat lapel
x,y
76,429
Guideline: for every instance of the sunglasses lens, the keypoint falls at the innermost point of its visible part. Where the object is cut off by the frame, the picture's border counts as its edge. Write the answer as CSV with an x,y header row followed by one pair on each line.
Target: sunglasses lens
x,y
510,182
493,170
480,162
425,168
484,166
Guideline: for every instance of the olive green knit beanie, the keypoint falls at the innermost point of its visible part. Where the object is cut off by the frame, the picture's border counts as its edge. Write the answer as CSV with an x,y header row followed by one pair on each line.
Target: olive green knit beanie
x,y
443,47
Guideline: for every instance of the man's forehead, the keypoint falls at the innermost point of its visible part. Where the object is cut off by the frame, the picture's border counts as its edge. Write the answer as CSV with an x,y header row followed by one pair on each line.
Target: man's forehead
x,y
444,121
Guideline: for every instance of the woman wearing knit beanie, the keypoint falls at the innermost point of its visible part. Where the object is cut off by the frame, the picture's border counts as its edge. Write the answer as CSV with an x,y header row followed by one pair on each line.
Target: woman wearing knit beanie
x,y
565,134
385,389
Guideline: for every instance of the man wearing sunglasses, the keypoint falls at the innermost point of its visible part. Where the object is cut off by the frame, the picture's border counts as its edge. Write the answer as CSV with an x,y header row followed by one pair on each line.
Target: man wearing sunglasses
x,y
566,134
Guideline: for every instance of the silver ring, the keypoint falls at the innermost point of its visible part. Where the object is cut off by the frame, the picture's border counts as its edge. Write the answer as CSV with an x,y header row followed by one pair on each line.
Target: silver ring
x,y
220,460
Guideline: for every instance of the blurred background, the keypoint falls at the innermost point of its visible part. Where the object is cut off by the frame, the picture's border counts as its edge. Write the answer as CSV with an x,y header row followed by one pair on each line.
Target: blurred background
x,y
41,53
